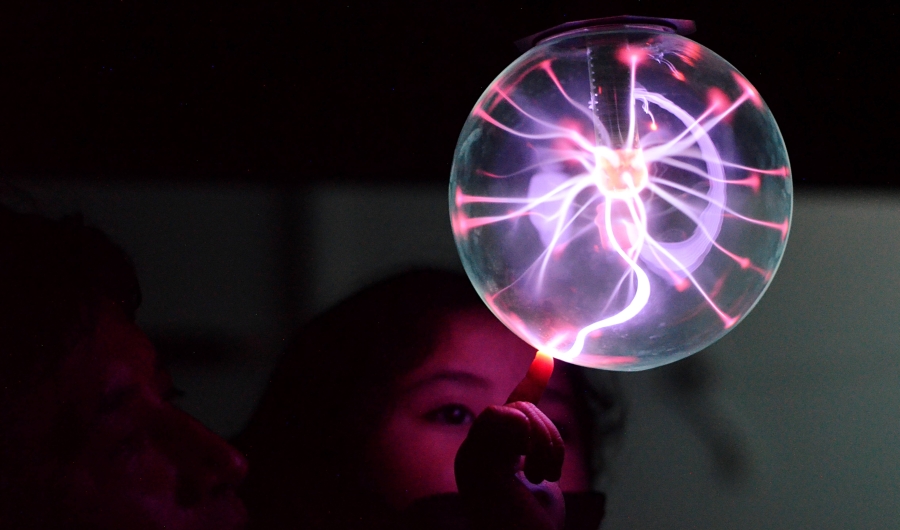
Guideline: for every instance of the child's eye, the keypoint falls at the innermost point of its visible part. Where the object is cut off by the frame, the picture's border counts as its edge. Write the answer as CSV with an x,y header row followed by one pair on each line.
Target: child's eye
x,y
451,415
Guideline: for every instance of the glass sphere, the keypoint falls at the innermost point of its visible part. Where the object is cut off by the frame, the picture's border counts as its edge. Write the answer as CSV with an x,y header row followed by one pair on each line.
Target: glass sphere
x,y
620,197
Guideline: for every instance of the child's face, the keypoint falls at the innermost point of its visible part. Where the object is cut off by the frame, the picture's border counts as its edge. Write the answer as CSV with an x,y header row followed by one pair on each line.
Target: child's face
x,y
477,363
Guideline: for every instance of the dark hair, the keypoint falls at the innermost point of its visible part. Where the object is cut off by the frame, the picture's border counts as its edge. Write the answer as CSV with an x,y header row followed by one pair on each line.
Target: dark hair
x,y
331,388
52,276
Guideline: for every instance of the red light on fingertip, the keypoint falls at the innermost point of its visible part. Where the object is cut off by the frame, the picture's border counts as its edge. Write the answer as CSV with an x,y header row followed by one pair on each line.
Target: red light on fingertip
x,y
542,366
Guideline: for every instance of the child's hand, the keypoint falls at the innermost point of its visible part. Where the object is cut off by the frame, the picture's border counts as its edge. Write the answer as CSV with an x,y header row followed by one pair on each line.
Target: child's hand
x,y
507,468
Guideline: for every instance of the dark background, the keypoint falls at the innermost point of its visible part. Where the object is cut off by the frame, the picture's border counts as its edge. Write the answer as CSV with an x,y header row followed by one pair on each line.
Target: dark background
x,y
303,92
260,162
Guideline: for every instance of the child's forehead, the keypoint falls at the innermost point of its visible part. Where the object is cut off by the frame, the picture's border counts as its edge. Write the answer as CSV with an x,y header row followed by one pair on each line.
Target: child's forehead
x,y
477,342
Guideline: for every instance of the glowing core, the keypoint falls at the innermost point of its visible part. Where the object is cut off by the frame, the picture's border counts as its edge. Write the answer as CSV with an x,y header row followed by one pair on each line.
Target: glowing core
x,y
621,173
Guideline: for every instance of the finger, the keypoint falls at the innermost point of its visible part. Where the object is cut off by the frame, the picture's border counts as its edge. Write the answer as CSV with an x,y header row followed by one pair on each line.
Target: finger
x,y
532,387
537,456
556,450
545,452
493,446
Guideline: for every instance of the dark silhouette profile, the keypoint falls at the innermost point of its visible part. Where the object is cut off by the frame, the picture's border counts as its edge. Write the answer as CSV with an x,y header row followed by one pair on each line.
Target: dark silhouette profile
x,y
88,437
362,424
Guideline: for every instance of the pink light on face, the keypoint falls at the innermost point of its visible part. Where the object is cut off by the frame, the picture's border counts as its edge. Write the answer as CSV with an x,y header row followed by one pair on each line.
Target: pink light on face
x,y
603,214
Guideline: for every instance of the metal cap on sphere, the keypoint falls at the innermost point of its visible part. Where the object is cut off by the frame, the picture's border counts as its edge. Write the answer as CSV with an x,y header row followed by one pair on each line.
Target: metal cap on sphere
x,y
670,25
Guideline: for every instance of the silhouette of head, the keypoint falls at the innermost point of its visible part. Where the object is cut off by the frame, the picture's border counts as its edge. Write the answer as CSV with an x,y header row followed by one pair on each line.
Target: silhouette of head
x,y
88,437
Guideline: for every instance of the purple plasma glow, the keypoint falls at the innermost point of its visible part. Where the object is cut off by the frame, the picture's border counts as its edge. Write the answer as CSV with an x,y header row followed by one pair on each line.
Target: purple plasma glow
x,y
606,203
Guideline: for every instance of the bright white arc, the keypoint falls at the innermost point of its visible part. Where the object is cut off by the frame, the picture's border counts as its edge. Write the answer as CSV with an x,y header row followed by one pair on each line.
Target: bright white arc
x,y
640,299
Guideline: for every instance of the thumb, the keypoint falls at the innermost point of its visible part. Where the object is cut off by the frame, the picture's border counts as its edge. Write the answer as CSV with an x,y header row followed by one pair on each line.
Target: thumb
x,y
532,387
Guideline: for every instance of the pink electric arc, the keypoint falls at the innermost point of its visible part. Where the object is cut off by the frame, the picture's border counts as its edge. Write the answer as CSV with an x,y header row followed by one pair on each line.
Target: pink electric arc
x,y
621,197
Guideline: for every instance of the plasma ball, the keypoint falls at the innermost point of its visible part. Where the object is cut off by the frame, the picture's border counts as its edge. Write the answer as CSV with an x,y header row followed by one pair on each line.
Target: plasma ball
x,y
627,226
